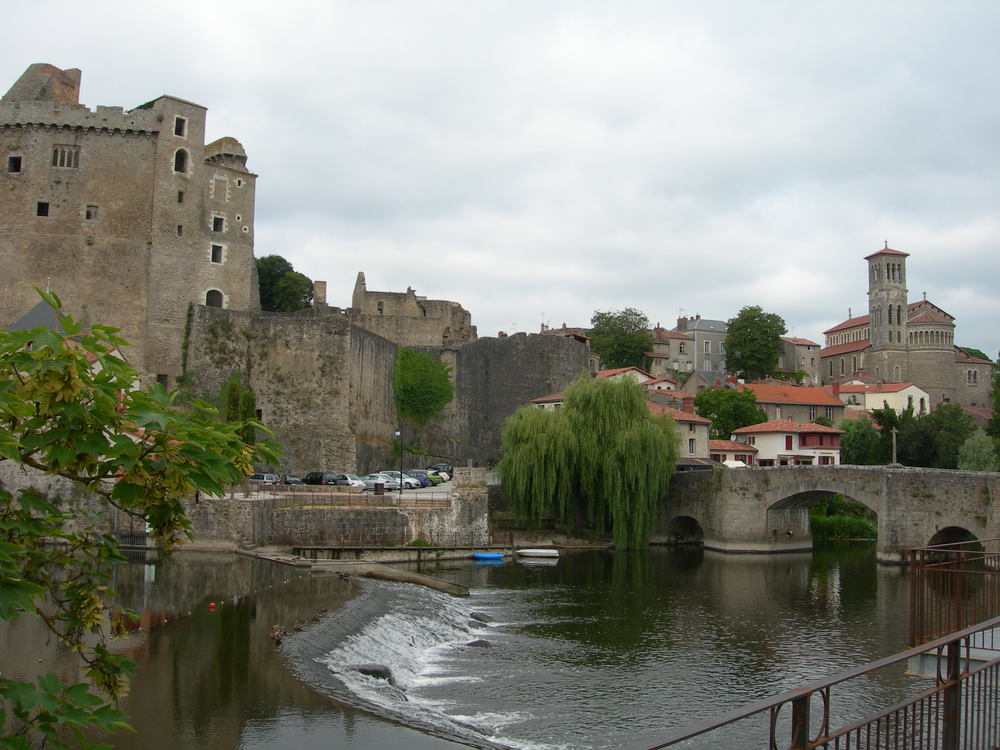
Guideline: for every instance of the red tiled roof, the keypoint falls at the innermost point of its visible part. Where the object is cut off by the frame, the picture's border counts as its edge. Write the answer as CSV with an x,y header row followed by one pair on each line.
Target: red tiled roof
x,y
730,445
980,412
873,387
965,358
785,425
653,381
849,323
850,346
887,251
799,342
656,410
660,335
619,370
551,398
791,394
850,413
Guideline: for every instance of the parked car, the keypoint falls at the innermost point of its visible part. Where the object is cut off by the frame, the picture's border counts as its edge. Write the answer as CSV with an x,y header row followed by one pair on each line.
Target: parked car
x,y
264,479
372,479
349,480
320,477
446,468
409,483
420,476
445,476
434,479
292,479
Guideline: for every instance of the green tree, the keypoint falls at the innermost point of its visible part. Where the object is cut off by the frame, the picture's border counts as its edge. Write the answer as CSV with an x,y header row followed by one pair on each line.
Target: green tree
x,y
282,288
978,453
601,462
239,404
421,385
753,343
975,352
930,440
728,409
621,338
993,426
948,427
861,443
69,407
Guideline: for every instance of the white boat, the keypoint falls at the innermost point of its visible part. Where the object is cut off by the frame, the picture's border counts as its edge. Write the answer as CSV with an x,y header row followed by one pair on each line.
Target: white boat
x,y
538,552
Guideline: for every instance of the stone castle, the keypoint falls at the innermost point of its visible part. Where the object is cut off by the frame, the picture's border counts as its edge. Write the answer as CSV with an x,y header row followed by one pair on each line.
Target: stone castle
x,y
136,222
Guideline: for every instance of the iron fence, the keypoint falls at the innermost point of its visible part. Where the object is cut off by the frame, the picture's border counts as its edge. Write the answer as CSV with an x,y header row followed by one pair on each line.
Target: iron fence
x,y
954,586
311,497
959,713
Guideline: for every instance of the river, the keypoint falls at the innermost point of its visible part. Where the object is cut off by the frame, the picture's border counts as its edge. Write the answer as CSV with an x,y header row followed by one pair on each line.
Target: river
x,y
598,650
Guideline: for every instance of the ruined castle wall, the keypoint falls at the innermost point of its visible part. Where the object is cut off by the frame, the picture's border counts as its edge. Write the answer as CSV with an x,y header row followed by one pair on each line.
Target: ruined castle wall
x,y
298,366
372,403
494,376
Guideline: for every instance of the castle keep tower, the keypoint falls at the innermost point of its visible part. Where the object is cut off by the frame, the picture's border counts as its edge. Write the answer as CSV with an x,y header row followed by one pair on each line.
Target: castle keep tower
x,y
128,216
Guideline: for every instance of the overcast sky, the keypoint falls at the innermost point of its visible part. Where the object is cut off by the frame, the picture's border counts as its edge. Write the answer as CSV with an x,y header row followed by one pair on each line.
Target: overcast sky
x,y
537,161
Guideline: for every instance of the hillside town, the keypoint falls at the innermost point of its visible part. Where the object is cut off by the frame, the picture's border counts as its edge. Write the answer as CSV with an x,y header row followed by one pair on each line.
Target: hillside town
x,y
175,220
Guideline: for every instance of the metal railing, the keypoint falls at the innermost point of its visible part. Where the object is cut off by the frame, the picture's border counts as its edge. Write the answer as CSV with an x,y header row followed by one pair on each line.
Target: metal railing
x,y
953,586
959,713
307,497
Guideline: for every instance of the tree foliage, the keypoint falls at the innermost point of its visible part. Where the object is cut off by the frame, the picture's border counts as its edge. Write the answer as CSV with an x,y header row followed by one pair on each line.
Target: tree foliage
x,y
728,409
753,343
620,338
993,426
69,407
975,352
861,444
282,288
601,462
930,440
421,385
978,453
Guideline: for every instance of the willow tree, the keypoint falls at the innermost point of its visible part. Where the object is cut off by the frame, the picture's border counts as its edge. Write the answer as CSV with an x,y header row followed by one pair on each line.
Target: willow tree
x,y
600,462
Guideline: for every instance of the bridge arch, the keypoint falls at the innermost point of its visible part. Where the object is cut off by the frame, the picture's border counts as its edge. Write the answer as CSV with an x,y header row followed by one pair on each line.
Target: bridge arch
x,y
685,530
952,535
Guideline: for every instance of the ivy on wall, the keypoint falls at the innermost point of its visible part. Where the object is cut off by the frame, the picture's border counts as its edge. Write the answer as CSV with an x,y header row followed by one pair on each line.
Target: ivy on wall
x,y
421,385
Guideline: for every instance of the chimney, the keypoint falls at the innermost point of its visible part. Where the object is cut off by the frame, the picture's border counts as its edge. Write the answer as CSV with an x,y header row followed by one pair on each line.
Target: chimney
x,y
697,316
682,324
319,293
836,388
687,404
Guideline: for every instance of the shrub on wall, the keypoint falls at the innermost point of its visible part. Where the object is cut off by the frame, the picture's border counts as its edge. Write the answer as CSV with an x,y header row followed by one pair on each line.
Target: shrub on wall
x,y
422,386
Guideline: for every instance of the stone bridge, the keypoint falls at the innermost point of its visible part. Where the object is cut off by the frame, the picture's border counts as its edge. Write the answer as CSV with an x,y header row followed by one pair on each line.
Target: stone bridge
x,y
767,509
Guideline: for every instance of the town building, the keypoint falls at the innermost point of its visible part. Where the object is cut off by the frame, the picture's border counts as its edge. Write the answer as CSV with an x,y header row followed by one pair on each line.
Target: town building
x,y
868,396
795,403
732,450
127,215
781,442
800,356
672,353
899,341
709,336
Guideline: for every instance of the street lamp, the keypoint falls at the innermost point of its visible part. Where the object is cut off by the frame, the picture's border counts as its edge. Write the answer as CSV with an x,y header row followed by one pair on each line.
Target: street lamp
x,y
399,440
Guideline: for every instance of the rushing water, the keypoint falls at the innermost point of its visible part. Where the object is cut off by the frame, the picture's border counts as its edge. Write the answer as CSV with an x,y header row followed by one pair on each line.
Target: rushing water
x,y
599,650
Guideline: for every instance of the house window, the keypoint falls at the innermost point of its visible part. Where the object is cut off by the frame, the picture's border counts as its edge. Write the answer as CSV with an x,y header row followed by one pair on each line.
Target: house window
x,y
218,224
213,298
180,126
42,208
829,412
691,442
706,365
812,413
752,440
66,156
708,347
681,349
777,412
722,347
788,442
90,212
216,253
181,161
690,426
13,164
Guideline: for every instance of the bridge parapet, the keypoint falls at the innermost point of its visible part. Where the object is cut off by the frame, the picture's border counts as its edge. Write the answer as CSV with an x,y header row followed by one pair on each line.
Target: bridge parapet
x,y
767,509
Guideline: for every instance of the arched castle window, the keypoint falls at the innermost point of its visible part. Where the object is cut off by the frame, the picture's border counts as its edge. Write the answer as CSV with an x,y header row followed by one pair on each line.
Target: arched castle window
x,y
895,374
876,372
181,160
841,365
213,298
